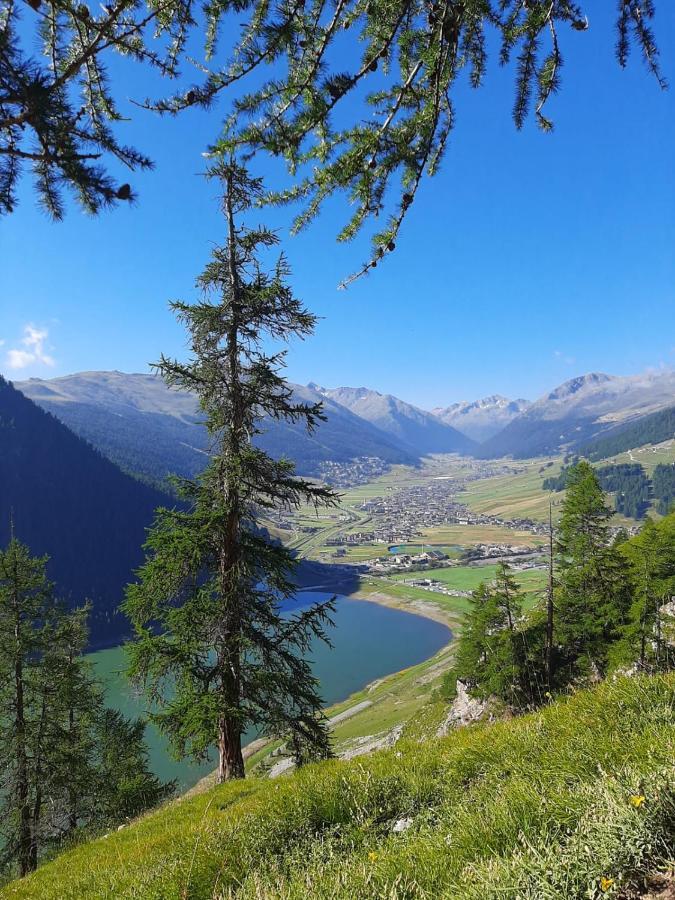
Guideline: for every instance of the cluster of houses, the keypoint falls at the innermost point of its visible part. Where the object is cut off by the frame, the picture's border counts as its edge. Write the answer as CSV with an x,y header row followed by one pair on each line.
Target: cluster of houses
x,y
404,513
356,537
497,551
352,472
401,562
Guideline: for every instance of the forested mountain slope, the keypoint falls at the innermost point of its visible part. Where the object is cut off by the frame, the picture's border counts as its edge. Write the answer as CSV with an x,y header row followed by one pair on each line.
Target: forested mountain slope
x,y
146,428
652,429
581,410
66,500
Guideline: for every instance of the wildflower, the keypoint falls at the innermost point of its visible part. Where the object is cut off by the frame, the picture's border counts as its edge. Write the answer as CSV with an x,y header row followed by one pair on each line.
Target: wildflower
x,y
606,883
637,800
372,856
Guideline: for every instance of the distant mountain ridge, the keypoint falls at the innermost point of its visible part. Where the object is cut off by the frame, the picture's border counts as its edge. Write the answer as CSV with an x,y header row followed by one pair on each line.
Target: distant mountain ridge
x,y
151,430
481,419
421,431
580,411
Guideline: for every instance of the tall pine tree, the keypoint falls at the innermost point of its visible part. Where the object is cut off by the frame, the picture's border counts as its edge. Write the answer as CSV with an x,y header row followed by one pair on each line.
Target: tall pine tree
x,y
28,613
211,642
592,595
64,769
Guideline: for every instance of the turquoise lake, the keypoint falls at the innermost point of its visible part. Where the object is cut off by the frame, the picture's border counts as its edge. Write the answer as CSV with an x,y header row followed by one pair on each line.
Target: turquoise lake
x,y
369,641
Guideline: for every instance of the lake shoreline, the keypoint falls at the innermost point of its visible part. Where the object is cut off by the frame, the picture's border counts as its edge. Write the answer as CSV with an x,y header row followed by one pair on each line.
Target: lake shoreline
x,y
421,608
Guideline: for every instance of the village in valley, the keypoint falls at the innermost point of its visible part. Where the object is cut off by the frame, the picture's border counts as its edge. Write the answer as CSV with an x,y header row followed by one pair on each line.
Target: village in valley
x,y
424,527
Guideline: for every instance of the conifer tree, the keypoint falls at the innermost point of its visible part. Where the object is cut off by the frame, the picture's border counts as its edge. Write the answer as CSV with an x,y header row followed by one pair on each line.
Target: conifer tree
x,y
492,651
59,105
73,738
592,595
53,725
211,642
471,653
123,785
27,619
648,634
100,774
507,594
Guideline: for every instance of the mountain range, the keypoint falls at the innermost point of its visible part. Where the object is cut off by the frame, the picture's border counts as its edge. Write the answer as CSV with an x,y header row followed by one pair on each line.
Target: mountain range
x,y
66,500
151,430
481,419
581,410
420,431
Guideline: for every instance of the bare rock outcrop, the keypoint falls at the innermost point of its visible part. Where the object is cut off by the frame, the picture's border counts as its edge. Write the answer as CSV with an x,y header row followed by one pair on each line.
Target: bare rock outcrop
x,y
464,711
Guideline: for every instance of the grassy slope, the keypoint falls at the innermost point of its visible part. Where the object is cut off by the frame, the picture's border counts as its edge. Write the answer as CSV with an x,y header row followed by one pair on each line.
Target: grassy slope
x,y
511,496
538,807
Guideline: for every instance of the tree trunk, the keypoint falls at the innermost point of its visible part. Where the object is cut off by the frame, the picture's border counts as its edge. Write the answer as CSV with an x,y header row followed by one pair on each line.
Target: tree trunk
x,y
38,776
230,757
72,793
22,788
549,603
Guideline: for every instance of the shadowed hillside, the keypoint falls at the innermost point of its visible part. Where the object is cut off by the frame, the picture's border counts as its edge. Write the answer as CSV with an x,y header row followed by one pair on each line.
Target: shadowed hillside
x,y
150,430
69,502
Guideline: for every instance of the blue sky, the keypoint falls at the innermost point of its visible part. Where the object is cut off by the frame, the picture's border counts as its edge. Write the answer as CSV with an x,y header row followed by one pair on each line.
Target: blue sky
x,y
529,259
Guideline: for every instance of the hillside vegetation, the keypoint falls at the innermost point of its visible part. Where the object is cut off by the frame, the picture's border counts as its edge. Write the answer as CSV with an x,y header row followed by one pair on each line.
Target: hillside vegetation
x,y
652,429
576,800
64,499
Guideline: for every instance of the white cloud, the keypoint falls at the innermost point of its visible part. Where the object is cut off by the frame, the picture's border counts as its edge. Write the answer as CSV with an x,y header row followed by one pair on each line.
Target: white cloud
x,y
33,349
568,360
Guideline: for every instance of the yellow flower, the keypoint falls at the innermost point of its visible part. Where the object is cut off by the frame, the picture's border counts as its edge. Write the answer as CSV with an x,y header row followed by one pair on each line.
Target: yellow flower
x,y
372,856
606,883
637,800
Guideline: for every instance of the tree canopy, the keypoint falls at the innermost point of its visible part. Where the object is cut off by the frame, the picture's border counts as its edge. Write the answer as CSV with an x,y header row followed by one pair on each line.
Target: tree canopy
x,y
290,67
212,643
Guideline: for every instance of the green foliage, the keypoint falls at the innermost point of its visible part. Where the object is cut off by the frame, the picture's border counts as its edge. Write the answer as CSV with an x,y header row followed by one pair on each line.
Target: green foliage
x,y
70,502
210,641
651,429
663,484
405,58
28,706
628,481
399,90
65,770
541,806
124,785
557,482
631,485
57,104
448,688
648,634
610,602
499,651
591,597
